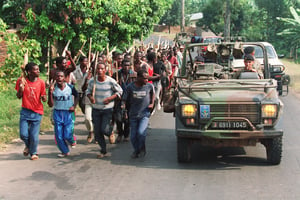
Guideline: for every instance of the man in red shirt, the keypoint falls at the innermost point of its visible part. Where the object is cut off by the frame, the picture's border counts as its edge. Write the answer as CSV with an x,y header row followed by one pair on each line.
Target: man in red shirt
x,y
32,91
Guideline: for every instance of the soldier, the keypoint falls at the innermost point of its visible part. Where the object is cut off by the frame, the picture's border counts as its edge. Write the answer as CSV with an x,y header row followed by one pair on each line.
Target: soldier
x,y
256,64
248,61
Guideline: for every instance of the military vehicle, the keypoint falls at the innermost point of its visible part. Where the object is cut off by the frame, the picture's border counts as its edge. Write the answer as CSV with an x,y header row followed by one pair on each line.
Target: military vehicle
x,y
216,110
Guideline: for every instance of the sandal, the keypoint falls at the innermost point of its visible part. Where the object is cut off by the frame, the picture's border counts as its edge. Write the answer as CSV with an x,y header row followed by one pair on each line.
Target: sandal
x,y
112,138
26,151
102,155
34,157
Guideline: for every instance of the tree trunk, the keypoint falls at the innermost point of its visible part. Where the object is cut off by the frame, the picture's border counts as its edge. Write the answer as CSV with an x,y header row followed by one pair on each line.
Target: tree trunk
x,y
227,22
182,16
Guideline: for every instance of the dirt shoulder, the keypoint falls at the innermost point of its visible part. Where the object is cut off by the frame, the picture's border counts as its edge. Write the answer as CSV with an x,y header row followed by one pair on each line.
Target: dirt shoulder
x,y
293,70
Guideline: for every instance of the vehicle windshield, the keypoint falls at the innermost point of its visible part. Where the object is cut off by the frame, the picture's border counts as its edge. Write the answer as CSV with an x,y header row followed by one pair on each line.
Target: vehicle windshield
x,y
259,52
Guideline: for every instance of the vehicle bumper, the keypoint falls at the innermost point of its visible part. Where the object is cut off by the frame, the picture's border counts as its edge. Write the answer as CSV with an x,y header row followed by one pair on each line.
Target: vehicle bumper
x,y
228,134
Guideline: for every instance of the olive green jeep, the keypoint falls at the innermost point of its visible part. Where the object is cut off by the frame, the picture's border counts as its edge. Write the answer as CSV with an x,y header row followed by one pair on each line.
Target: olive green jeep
x,y
216,109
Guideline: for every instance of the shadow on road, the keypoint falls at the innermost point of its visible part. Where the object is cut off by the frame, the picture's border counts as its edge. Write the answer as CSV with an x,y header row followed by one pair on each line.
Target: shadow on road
x,y
161,153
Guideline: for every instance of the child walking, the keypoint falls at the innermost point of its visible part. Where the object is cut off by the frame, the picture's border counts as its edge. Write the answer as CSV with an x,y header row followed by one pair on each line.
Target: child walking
x,y
64,98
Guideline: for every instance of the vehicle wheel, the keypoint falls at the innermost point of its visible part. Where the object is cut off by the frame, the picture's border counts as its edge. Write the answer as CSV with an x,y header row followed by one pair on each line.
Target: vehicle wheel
x,y
274,150
183,150
279,88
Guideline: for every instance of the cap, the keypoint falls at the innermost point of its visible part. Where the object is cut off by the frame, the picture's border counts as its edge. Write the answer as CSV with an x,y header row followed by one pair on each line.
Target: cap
x,y
248,57
249,50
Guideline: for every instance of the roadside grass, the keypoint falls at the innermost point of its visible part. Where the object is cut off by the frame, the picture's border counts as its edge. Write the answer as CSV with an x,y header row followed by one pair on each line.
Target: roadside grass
x,y
293,69
10,107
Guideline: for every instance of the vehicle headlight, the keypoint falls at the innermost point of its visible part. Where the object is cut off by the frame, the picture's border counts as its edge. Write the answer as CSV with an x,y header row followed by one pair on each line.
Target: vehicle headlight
x,y
278,68
269,110
189,110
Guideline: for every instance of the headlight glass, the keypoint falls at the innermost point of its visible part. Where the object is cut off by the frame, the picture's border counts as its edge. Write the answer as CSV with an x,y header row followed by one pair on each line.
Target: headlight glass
x,y
278,68
269,110
188,110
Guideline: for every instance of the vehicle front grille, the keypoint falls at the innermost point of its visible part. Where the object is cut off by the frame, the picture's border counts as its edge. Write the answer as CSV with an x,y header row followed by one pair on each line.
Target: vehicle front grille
x,y
250,111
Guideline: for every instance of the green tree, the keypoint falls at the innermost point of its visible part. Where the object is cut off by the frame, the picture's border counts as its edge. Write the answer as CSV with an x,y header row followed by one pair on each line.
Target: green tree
x,y
274,9
172,16
115,21
246,19
292,33
16,50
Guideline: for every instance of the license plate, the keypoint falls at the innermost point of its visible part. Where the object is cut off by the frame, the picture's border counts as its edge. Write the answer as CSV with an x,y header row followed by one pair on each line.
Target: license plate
x,y
230,125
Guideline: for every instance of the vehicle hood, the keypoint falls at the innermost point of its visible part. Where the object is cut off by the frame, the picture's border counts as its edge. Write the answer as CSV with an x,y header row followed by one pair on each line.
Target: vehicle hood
x,y
272,61
231,95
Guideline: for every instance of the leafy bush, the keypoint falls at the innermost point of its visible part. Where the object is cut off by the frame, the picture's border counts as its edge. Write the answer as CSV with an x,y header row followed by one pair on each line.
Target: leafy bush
x,y
16,50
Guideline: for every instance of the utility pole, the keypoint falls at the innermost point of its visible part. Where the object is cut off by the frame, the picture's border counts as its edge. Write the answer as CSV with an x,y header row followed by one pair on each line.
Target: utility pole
x,y
227,22
182,16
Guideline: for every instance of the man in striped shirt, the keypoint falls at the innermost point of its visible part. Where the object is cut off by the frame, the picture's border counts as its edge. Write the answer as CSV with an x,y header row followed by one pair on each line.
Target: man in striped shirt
x,y
102,91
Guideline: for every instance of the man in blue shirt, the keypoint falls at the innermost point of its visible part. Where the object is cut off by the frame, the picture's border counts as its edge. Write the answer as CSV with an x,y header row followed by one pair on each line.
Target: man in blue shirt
x,y
139,96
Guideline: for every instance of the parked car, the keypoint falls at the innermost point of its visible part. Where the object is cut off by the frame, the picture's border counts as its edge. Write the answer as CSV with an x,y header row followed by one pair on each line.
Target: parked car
x,y
277,69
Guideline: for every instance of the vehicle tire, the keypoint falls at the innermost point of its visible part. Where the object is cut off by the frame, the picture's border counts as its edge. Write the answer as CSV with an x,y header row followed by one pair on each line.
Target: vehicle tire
x,y
183,150
279,88
274,150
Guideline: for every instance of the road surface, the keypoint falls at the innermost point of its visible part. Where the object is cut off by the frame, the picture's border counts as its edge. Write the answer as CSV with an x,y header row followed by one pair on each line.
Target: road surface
x,y
229,173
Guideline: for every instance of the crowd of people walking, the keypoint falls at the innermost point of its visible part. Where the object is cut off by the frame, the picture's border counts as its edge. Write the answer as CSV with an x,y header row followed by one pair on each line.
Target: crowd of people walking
x,y
121,90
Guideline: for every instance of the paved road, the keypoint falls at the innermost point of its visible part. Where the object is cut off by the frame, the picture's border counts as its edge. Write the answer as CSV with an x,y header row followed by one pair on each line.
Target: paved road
x,y
231,173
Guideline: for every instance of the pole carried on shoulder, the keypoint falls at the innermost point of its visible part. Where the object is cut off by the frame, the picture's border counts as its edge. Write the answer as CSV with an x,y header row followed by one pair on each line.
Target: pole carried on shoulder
x,y
95,73
89,56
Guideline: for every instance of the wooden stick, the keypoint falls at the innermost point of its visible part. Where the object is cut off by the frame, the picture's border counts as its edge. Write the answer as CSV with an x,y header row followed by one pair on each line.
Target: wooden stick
x,y
132,56
117,74
65,49
24,64
95,71
109,60
48,62
77,55
112,50
89,57
23,74
158,43
82,53
94,57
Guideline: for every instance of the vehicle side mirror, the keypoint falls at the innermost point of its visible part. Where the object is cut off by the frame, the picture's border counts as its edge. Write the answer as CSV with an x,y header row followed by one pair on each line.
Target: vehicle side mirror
x,y
281,55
